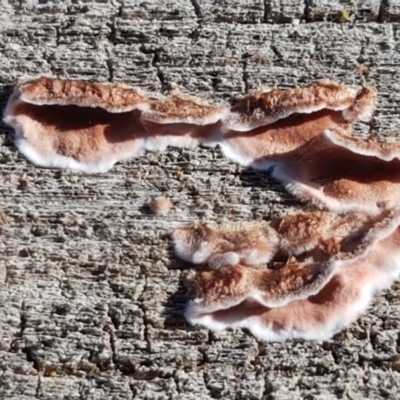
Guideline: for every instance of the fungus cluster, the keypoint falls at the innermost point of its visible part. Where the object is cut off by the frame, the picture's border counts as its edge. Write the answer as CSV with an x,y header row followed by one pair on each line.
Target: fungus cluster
x,y
304,275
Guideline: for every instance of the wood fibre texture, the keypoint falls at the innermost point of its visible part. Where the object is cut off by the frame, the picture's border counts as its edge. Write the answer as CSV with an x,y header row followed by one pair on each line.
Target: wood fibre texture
x,y
91,297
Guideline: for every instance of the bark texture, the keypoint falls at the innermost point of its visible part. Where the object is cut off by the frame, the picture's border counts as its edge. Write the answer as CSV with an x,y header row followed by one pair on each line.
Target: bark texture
x,y
90,292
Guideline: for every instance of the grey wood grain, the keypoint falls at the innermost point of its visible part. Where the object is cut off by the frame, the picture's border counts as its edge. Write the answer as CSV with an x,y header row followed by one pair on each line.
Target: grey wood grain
x,y
91,295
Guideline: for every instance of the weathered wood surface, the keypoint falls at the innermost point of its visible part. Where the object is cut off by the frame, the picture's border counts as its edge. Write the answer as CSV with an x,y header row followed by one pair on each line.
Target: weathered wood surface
x,y
91,295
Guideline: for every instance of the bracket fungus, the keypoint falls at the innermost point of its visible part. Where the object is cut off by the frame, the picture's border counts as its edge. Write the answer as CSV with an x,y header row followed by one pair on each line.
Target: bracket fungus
x,y
319,269
321,290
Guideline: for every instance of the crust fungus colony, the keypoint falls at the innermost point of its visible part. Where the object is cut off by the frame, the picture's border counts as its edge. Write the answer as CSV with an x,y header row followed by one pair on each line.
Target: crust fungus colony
x,y
304,275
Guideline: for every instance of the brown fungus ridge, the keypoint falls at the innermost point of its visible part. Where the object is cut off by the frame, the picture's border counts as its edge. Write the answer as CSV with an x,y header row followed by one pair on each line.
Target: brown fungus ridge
x,y
328,173
178,108
317,159
207,243
147,122
90,127
307,300
266,107
315,235
89,139
111,97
